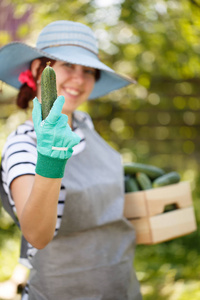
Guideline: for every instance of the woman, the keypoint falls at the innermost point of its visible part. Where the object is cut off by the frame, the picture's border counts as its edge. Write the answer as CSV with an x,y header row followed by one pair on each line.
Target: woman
x,y
67,189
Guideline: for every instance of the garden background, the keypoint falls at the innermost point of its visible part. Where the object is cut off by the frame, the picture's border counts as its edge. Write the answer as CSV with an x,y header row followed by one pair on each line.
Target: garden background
x,y
156,121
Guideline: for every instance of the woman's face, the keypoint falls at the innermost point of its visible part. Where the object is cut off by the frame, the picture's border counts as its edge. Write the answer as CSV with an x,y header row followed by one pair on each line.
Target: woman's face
x,y
75,83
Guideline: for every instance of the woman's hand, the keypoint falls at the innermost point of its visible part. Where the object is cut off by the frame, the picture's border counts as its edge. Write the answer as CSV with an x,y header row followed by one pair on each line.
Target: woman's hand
x,y
55,139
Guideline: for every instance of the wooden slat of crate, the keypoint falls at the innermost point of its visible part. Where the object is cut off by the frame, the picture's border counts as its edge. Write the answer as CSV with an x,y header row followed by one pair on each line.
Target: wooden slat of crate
x,y
157,199
135,205
152,202
166,226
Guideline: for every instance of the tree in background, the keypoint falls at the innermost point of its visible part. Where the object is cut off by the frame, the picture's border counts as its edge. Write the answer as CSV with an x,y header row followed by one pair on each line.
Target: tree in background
x,y
13,26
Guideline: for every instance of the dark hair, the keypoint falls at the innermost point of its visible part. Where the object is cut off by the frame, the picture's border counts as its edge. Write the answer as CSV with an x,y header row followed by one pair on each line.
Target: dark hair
x,y
26,93
97,74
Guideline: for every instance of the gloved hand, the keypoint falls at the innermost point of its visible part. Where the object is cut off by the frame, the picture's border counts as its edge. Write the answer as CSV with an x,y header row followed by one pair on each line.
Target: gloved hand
x,y
55,139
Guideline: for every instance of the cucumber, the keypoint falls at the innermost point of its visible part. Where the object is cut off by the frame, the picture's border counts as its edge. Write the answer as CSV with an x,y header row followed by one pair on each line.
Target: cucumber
x,y
131,184
152,171
48,90
144,181
170,207
166,179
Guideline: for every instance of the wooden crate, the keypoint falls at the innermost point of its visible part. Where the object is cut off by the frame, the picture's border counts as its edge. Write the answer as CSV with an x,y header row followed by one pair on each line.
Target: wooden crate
x,y
145,210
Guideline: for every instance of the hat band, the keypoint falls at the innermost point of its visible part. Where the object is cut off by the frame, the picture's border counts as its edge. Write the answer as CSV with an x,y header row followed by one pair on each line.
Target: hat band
x,y
60,45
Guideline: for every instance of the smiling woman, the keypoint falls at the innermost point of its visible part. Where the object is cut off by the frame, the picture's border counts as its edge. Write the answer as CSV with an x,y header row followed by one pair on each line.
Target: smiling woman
x,y
61,180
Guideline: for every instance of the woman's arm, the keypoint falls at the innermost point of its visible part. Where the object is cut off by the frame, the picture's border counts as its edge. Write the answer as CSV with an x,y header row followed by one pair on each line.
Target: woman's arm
x,y
36,197
36,200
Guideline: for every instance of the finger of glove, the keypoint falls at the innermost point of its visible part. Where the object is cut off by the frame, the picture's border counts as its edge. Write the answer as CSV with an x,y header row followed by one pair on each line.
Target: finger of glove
x,y
62,123
37,112
62,133
74,140
55,111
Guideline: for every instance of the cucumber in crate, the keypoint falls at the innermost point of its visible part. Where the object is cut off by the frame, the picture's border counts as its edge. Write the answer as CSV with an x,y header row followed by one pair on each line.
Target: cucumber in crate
x,y
157,203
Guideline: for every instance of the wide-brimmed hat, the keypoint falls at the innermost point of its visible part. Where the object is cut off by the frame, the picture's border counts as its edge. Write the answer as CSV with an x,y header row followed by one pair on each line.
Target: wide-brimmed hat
x,y
68,41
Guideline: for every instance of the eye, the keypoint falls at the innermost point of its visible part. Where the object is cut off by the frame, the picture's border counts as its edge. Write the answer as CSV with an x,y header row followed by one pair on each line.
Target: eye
x,y
90,71
68,65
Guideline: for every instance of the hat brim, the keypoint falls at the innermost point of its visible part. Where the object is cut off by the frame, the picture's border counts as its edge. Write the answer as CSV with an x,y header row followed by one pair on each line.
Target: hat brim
x,y
16,57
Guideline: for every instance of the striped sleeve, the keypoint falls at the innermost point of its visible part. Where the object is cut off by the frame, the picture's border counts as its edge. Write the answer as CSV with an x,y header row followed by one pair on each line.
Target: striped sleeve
x,y
19,155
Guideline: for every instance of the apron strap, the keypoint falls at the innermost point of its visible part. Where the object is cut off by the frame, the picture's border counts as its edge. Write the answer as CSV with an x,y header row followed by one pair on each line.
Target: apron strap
x,y
81,119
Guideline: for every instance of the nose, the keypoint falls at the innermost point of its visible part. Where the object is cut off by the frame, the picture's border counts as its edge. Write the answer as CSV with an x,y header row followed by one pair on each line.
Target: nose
x,y
78,74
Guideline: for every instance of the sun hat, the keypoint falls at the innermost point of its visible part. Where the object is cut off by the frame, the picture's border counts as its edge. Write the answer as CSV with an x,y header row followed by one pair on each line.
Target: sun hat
x,y
68,41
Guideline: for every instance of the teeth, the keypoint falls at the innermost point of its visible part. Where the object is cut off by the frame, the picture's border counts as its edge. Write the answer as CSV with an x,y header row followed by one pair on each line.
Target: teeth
x,y
72,92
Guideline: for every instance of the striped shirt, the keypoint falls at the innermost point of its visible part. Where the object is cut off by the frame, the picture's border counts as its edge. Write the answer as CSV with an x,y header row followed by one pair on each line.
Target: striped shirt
x,y
19,158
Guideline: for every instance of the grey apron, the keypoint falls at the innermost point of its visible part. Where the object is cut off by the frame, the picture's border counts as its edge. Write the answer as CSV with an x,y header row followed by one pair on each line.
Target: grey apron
x,y
91,257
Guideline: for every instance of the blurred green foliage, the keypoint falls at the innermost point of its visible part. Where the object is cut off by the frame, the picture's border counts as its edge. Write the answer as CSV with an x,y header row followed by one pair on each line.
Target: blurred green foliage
x,y
9,245
155,121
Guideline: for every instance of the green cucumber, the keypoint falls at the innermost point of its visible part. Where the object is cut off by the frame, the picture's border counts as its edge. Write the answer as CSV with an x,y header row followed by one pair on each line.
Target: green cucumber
x,y
143,181
48,90
131,184
166,179
170,207
152,171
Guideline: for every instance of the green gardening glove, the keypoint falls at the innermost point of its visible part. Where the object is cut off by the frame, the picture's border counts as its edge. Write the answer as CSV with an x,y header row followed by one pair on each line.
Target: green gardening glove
x,y
55,139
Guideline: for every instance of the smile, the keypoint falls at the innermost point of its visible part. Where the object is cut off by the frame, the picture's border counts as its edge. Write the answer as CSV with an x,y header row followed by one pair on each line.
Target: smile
x,y
72,92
